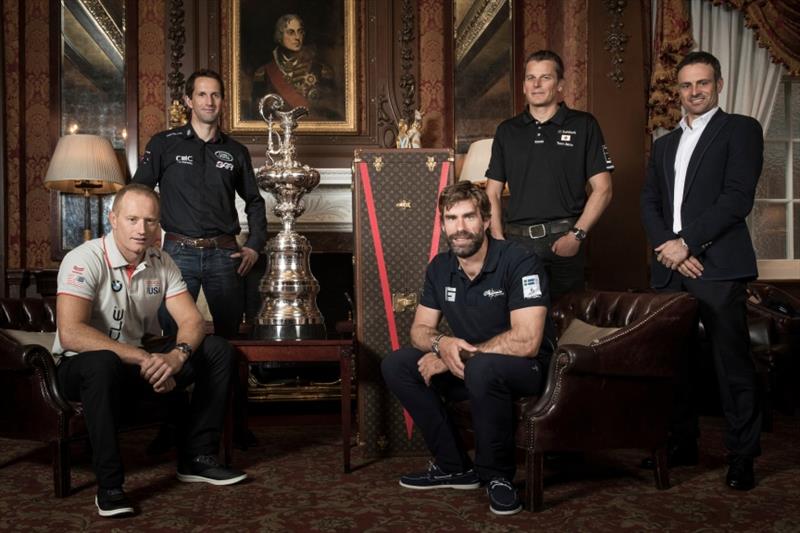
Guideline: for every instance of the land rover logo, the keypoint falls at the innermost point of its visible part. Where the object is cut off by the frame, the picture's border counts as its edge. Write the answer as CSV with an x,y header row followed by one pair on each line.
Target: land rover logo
x,y
223,156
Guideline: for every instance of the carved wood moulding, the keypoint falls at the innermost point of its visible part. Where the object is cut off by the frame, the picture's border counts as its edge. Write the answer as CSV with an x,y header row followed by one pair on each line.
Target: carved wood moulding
x,y
616,39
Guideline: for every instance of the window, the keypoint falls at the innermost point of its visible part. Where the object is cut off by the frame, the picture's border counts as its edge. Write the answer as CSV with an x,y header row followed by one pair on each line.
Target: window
x,y
775,220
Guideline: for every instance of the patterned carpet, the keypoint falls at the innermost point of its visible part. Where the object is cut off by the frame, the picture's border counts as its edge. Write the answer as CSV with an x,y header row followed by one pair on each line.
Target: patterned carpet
x,y
296,484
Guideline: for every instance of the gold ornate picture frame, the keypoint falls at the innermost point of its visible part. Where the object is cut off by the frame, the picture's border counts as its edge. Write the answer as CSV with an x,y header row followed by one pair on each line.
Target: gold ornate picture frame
x,y
321,75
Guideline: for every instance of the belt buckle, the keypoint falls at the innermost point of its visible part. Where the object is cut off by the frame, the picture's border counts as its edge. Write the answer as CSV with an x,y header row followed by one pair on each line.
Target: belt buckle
x,y
537,231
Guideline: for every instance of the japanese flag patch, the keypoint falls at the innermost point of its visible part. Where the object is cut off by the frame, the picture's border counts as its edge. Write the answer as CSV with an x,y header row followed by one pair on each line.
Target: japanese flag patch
x,y
531,287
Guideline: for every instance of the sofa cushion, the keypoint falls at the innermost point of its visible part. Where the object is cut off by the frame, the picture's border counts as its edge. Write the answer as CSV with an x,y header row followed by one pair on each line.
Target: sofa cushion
x,y
579,332
42,338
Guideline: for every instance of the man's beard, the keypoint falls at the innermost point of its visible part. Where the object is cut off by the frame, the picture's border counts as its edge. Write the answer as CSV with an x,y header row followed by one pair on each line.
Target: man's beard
x,y
471,248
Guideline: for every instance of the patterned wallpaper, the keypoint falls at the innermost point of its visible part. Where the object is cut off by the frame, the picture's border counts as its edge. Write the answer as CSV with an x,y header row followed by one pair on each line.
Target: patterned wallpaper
x,y
13,127
437,120
152,66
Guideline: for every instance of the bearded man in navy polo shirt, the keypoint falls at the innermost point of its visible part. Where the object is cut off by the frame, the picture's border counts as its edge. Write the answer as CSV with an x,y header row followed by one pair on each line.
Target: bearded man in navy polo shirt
x,y
494,295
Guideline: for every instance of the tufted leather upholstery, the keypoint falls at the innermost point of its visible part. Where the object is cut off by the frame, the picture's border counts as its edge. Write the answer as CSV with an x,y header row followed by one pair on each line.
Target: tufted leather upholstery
x,y
613,394
39,412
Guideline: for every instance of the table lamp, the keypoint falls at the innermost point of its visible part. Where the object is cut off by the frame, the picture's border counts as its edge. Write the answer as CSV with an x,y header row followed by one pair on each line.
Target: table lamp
x,y
476,162
87,165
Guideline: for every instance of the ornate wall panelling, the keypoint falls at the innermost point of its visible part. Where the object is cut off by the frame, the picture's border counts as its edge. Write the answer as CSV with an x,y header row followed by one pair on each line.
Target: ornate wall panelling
x,y
118,45
617,246
2,167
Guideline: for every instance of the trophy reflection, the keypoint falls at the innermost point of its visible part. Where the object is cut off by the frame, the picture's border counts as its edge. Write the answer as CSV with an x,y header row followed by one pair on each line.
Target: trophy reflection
x,y
288,289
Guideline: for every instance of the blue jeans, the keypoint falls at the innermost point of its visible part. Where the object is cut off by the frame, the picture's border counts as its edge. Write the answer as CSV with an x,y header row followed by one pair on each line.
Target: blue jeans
x,y
214,270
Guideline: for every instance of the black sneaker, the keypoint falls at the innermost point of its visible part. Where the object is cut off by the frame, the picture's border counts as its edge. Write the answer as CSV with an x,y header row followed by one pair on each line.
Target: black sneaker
x,y
435,478
503,497
206,469
112,502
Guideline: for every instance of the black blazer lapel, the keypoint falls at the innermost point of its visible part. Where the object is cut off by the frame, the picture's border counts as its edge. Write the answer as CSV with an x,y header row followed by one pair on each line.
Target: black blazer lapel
x,y
713,128
670,150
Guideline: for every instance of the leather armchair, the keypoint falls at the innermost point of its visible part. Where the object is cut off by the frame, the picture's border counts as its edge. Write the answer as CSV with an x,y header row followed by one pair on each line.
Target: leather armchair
x,y
774,320
34,407
614,393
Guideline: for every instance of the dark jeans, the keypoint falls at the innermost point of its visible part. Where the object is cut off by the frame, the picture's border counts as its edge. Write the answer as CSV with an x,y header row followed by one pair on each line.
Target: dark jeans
x,y
565,274
107,388
723,311
491,383
215,270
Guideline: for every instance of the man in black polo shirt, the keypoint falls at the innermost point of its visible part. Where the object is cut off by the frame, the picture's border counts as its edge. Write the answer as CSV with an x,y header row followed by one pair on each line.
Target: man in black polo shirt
x,y
198,170
546,154
494,295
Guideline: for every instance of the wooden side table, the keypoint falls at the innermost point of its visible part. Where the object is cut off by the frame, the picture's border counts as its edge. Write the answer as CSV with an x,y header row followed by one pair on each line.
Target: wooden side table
x,y
256,351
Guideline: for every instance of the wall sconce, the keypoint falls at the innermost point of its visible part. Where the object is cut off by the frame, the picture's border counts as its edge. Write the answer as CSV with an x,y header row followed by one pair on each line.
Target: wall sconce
x,y
87,165
476,161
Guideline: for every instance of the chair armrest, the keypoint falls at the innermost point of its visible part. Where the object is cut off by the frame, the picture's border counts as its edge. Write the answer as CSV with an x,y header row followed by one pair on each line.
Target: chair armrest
x,y
40,360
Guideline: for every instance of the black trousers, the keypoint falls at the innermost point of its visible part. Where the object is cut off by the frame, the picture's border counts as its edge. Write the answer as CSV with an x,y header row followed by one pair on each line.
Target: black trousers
x,y
565,274
491,382
723,311
108,388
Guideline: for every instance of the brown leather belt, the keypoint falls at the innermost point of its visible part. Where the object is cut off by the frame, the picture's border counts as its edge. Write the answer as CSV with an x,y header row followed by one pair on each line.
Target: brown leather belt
x,y
537,231
221,241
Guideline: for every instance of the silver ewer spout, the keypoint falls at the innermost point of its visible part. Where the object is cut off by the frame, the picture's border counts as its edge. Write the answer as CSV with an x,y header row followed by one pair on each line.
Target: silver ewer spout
x,y
289,291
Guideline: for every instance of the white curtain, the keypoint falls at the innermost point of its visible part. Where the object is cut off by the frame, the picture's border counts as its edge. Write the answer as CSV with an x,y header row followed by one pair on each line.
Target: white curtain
x,y
751,79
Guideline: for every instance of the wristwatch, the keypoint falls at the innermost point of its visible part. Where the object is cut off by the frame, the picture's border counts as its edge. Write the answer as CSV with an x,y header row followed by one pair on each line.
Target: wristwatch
x,y
185,348
435,343
579,233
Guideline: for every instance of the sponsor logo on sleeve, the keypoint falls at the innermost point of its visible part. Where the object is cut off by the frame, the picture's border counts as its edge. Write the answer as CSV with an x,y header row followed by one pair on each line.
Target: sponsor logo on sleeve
x,y
450,294
531,287
607,157
76,277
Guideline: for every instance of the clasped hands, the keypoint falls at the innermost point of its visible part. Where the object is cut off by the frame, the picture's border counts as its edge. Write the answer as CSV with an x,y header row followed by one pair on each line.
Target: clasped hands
x,y
452,353
674,255
159,368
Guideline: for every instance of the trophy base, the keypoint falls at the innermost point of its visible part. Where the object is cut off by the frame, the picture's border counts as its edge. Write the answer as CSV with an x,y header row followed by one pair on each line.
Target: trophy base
x,y
296,332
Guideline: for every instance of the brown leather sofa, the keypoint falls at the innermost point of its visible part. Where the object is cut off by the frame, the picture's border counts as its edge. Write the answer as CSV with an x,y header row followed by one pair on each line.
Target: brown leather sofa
x,y
613,393
33,407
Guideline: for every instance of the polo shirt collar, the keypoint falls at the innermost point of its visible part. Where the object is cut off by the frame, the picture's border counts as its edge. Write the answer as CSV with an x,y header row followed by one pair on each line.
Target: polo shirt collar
x,y
489,262
190,133
558,118
114,257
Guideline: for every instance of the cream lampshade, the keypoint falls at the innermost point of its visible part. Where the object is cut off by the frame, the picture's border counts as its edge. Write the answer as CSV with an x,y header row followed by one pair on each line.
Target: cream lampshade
x,y
476,161
87,165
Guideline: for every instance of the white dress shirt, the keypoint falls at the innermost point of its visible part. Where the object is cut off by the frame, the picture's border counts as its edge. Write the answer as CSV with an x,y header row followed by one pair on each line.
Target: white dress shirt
x,y
689,137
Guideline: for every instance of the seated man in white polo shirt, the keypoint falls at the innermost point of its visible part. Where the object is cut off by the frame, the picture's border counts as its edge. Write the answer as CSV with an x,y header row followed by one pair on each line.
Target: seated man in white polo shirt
x,y
109,293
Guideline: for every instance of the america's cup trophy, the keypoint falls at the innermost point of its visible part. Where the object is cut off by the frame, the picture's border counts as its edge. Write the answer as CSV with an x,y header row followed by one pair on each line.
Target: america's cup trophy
x,y
288,289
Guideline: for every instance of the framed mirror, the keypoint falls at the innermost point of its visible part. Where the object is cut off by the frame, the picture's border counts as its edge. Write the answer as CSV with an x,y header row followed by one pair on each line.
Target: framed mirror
x,y
486,58
93,90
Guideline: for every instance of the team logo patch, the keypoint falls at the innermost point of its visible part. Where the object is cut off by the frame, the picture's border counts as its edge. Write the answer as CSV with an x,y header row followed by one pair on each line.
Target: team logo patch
x,y
152,286
531,287
226,166
184,159
116,285
450,294
565,137
493,293
76,277
223,155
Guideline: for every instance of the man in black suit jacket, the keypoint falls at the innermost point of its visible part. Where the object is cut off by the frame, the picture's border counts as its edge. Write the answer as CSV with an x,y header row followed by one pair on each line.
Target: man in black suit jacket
x,y
701,183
